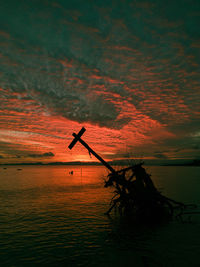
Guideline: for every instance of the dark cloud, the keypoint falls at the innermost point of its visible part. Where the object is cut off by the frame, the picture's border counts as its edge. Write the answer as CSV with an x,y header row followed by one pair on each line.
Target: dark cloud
x,y
160,156
48,154
135,47
44,155
108,63
196,147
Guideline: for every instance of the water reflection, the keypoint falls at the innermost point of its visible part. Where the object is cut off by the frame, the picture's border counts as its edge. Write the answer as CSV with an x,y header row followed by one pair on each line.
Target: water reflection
x,y
50,217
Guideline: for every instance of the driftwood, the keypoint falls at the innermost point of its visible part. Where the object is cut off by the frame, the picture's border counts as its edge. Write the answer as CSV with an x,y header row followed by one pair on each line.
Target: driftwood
x,y
135,192
137,196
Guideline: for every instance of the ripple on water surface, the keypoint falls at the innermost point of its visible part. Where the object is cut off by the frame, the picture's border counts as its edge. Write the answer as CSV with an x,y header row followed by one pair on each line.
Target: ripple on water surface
x,y
49,218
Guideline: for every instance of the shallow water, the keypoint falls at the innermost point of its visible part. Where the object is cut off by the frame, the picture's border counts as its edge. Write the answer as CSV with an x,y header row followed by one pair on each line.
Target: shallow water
x,y
51,218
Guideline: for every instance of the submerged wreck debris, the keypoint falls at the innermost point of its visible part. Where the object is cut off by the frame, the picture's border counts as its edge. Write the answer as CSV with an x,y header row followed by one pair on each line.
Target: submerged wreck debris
x,y
135,193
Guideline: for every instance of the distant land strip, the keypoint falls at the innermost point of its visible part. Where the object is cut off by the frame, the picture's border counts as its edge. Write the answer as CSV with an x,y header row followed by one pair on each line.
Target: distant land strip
x,y
195,162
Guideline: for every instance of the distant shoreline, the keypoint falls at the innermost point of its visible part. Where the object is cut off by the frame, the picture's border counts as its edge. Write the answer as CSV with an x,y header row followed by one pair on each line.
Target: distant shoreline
x,y
113,163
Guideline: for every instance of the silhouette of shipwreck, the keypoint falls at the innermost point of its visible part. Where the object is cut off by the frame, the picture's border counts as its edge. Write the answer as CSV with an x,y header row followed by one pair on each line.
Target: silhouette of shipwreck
x,y
135,194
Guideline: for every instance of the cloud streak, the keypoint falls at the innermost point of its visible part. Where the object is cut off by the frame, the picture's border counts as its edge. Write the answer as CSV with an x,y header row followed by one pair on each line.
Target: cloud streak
x,y
44,155
129,69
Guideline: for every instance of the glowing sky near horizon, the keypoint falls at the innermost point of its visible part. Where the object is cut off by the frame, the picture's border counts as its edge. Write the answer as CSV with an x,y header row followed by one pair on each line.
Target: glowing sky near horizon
x,y
128,71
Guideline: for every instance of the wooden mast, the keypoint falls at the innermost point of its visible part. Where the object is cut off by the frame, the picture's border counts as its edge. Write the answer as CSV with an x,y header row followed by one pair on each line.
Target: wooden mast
x,y
77,137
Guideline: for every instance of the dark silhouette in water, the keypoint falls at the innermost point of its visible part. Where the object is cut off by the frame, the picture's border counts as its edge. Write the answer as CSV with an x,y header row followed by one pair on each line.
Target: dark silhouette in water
x,y
136,195
135,192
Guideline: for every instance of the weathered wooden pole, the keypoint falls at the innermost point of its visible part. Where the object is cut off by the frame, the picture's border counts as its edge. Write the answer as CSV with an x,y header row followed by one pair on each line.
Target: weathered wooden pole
x,y
77,137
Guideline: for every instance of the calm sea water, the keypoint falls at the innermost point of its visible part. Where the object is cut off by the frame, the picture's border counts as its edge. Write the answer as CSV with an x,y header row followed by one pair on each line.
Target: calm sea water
x,y
51,218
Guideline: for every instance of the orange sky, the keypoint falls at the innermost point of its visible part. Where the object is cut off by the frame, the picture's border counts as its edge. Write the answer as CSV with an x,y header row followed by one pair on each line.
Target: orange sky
x,y
34,131
128,73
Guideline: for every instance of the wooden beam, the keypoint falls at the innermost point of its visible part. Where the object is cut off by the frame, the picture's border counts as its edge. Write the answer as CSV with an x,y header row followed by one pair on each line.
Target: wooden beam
x,y
81,132
77,137
94,153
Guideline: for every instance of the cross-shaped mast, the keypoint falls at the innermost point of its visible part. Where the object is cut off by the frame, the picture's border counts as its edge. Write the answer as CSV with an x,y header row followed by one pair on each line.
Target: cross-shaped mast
x,y
77,137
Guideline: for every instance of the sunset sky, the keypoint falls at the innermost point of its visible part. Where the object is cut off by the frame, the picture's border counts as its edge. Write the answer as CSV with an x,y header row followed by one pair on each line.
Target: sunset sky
x,y
128,71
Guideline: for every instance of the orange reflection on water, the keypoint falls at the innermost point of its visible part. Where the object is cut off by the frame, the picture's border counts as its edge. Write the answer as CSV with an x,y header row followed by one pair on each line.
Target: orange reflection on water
x,y
38,189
